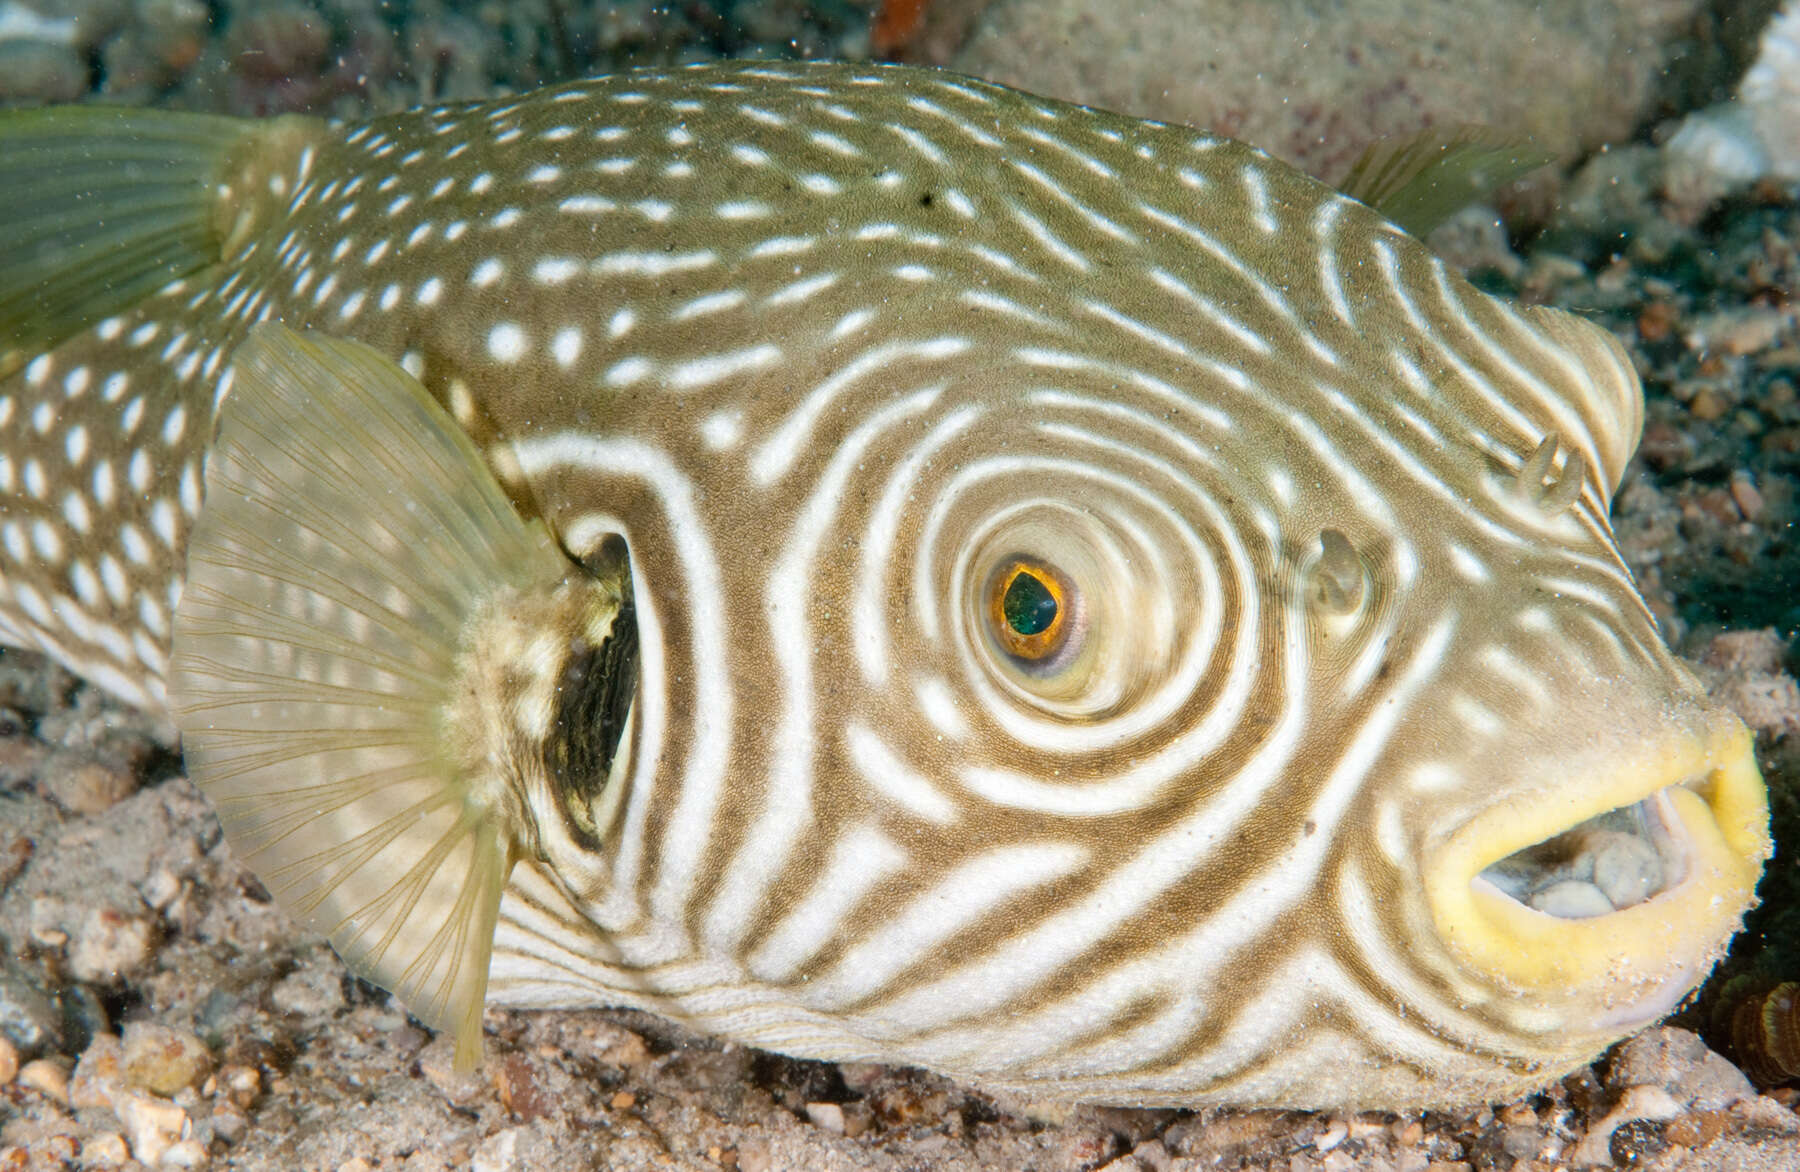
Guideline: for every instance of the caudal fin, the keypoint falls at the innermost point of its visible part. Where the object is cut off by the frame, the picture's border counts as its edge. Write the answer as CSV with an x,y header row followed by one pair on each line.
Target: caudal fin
x,y
101,207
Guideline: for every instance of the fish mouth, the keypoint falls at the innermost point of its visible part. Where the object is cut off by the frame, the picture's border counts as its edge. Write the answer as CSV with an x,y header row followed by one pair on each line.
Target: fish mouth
x,y
1618,896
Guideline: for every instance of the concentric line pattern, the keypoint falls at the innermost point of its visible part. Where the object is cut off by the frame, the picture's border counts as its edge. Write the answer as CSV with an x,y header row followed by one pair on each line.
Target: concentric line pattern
x,y
826,343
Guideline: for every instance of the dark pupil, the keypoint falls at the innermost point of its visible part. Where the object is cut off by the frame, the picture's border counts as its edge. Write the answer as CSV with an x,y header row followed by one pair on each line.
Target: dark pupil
x,y
1028,606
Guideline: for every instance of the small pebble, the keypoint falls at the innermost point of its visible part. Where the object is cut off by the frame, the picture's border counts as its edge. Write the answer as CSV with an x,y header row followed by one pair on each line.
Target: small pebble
x,y
229,1122
163,1060
152,1125
313,990
826,1116
437,1062
1708,404
88,786
109,945
29,1019
1679,1063
241,1084
1749,499
161,888
46,922
97,1076
48,1077
9,1061
105,1151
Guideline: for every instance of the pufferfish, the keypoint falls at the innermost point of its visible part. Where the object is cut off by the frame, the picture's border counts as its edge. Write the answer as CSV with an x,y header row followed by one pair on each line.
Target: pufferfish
x,y
873,565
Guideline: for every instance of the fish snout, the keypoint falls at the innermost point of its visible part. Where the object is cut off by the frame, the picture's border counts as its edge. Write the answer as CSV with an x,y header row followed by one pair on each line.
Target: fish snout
x,y
1607,900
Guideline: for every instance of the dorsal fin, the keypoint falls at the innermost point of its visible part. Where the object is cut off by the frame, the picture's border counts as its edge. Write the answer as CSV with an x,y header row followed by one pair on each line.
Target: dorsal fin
x,y
1422,180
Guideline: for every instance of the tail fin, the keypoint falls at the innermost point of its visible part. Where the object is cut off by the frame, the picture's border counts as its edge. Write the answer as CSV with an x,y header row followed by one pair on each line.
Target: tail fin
x,y
350,544
102,207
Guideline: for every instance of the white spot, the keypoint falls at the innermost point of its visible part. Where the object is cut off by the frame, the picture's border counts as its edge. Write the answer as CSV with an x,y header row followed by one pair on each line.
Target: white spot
x,y
75,444
112,576
164,523
544,174
565,347
352,305
722,430
430,291
174,424
390,297
627,371
36,483
587,205
37,370
621,323
506,342
486,273
190,489
139,471
709,303
104,489
150,613
554,270
75,512
851,322
76,381
86,584
46,541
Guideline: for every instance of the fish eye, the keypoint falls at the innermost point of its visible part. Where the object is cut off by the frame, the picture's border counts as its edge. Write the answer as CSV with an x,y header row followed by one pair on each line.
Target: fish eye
x,y
1030,607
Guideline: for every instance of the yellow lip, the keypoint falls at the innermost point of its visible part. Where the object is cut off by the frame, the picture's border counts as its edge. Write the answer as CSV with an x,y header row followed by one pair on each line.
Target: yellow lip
x,y
1634,964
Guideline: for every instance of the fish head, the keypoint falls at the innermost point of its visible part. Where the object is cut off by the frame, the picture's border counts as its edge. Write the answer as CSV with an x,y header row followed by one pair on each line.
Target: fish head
x,y
1399,711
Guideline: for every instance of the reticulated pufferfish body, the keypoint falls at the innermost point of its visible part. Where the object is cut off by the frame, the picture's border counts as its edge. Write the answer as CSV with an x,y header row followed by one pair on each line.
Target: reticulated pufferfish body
x,y
884,567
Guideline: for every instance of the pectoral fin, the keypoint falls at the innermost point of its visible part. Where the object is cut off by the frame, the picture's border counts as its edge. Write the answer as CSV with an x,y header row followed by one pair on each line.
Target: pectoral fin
x,y
351,544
